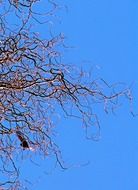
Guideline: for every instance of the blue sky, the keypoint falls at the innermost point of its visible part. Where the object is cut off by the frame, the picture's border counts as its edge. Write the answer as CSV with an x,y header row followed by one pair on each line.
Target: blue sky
x,y
104,36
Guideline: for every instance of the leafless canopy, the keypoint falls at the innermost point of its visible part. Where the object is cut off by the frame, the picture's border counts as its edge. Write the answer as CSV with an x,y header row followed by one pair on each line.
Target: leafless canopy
x,y
36,87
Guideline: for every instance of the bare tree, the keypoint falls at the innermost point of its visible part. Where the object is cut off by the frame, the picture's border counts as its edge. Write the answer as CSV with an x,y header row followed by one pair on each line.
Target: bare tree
x,y
35,85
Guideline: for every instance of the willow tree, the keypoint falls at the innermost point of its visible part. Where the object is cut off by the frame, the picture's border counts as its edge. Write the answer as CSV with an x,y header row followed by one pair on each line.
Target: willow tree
x,y
35,85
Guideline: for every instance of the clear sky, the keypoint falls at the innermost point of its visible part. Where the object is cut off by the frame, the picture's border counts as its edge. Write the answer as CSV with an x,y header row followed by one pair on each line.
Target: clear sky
x,y
104,36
